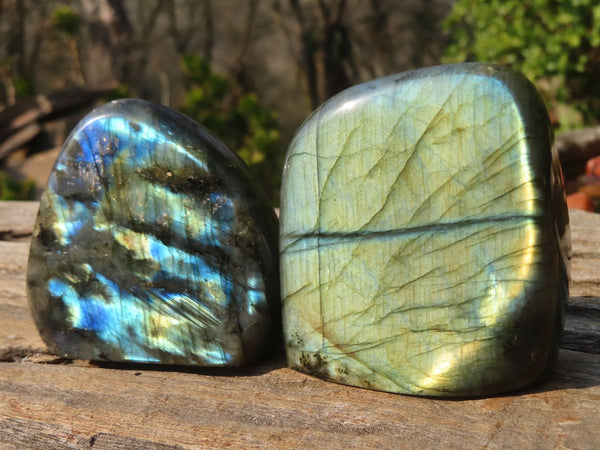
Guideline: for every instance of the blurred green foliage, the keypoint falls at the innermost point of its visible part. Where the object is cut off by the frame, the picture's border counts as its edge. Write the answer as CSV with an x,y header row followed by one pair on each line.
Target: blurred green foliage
x,y
237,118
11,189
555,43
65,20
23,86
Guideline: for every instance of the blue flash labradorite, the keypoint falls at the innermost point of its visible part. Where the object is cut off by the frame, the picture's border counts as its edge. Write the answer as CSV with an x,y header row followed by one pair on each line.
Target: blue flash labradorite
x,y
153,244
424,238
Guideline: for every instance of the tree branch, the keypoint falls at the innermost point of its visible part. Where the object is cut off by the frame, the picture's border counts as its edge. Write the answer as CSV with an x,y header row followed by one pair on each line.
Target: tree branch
x,y
241,59
209,38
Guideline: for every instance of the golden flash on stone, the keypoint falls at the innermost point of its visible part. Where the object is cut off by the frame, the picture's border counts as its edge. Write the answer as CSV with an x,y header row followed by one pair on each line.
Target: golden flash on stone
x,y
424,239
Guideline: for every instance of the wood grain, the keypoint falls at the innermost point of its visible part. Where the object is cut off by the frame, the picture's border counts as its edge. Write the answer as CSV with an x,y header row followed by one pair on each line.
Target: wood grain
x,y
47,402
17,219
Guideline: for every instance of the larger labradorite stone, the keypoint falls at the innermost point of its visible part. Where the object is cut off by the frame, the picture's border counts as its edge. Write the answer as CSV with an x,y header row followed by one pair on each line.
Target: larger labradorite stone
x,y
153,244
424,235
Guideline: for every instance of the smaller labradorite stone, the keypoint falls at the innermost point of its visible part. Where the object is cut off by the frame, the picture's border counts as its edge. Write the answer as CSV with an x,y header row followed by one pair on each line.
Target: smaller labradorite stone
x,y
424,239
153,244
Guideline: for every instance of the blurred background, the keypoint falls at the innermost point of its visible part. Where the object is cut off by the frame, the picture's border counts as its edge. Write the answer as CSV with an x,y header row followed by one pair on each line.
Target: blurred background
x,y
252,70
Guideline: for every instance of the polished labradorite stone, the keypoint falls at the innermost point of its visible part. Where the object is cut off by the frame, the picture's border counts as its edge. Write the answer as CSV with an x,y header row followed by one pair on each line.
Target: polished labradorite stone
x,y
153,244
424,235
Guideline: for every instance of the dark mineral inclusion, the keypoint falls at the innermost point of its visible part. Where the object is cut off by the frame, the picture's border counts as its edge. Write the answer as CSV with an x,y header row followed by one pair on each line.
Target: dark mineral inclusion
x,y
153,244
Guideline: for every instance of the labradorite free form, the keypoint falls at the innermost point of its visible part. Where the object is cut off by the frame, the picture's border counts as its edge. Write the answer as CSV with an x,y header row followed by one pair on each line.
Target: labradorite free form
x,y
153,244
424,235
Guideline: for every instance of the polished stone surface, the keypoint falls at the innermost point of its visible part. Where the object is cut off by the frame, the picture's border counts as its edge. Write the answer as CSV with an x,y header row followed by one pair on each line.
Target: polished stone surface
x,y
153,244
424,235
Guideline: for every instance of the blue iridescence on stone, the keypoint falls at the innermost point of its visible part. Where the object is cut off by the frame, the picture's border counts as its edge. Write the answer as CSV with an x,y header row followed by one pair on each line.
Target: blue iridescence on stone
x,y
153,244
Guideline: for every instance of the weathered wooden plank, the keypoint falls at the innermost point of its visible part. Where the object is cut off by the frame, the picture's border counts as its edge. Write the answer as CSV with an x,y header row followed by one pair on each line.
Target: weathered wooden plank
x,y
17,219
79,405
18,335
268,405
30,112
585,267
19,138
582,327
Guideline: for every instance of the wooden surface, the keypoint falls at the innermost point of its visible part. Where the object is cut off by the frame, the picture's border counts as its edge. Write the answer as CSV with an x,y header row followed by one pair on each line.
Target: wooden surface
x,y
47,402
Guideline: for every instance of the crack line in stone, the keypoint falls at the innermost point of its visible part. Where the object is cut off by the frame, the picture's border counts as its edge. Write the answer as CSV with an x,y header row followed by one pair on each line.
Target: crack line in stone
x,y
445,226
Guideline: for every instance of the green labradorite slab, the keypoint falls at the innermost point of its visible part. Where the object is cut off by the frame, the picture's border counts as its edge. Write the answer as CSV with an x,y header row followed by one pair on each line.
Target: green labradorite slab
x,y
153,244
424,235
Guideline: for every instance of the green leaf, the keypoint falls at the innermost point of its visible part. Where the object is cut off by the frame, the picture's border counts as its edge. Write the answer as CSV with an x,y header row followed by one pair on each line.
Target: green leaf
x,y
238,117
545,39
65,20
